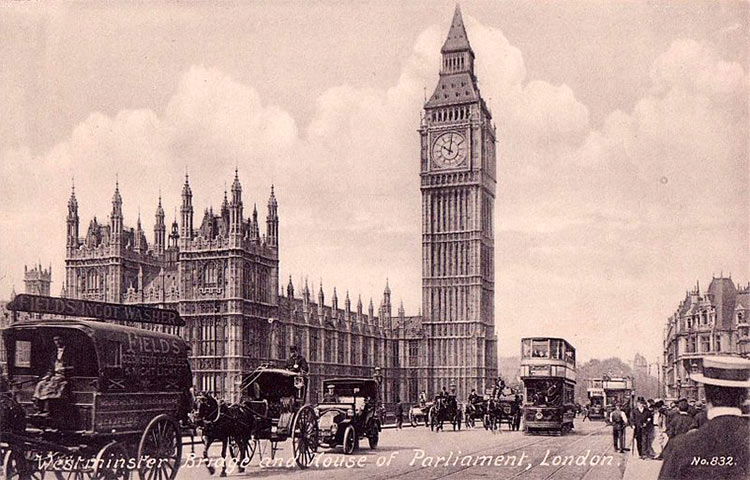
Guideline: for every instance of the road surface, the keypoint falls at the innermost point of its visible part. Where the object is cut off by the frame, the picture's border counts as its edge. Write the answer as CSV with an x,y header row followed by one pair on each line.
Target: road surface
x,y
418,453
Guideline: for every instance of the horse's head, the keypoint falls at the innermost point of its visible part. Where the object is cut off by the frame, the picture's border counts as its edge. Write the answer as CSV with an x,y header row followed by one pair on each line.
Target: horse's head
x,y
206,409
12,415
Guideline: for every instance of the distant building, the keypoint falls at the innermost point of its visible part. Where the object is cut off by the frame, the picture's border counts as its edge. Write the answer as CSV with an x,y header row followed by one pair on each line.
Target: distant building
x,y
714,322
37,280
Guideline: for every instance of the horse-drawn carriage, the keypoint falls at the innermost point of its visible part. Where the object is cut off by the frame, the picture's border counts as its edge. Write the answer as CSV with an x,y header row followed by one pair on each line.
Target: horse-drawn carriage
x,y
349,412
274,408
445,409
420,413
121,396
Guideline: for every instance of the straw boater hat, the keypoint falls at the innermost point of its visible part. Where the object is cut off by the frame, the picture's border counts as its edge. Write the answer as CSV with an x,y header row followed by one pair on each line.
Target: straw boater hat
x,y
724,372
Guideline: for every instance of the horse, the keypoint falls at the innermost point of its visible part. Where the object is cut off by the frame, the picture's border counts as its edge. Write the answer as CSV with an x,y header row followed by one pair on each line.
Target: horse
x,y
12,415
437,413
492,415
472,411
219,421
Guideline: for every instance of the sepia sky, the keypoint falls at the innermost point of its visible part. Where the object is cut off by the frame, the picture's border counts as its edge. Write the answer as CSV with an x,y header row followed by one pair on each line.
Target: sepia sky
x,y
622,153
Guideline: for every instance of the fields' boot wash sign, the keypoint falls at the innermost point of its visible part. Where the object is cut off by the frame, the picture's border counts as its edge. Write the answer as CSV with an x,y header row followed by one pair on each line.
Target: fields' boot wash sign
x,y
98,310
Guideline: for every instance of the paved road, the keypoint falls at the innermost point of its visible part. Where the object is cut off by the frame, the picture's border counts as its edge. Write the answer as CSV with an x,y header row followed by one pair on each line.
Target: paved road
x,y
417,453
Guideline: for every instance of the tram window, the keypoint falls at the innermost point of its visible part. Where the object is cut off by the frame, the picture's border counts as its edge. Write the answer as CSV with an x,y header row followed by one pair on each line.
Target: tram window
x,y
526,349
543,392
557,349
540,349
570,354
23,354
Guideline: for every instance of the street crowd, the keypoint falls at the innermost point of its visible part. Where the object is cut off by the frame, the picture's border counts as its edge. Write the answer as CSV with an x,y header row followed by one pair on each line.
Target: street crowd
x,y
694,440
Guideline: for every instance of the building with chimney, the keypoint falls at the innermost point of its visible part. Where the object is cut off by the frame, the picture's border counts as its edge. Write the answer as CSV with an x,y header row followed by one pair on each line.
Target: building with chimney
x,y
709,322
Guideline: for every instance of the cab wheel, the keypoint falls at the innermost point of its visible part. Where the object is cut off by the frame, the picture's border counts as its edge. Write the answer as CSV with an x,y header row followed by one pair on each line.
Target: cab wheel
x,y
350,440
111,463
374,436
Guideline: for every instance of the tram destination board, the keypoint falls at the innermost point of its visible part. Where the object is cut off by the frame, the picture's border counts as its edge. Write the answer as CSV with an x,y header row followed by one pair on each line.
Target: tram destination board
x,y
99,310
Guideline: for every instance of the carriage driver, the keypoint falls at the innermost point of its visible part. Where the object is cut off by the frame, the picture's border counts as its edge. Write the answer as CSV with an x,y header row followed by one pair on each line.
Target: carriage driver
x,y
52,385
497,390
296,361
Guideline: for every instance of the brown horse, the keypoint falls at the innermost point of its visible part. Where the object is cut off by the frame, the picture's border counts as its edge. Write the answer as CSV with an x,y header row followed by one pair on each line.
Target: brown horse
x,y
227,423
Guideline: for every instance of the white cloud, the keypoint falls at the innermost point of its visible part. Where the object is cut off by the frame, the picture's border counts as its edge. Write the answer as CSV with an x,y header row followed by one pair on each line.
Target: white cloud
x,y
584,214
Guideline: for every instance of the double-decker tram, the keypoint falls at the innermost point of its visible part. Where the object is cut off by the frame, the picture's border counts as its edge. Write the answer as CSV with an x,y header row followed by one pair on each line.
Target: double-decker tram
x,y
548,372
595,393
607,391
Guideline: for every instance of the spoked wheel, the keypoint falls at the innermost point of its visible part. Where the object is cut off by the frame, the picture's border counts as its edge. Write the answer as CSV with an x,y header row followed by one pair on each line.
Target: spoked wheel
x,y
304,436
17,467
350,440
160,441
111,463
247,446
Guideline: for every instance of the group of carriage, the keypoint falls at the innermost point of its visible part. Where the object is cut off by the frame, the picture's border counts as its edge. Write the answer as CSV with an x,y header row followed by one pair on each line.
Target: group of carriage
x,y
491,412
127,403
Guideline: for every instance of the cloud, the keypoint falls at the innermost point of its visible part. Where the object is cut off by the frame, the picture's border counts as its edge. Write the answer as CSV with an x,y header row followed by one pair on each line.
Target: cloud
x,y
597,226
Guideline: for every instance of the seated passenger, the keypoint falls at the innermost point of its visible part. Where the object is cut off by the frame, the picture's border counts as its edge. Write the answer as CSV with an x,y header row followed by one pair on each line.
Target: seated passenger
x,y
52,385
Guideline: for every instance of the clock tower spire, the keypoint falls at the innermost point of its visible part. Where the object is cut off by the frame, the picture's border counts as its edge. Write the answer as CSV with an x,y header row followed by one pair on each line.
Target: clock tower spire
x,y
458,180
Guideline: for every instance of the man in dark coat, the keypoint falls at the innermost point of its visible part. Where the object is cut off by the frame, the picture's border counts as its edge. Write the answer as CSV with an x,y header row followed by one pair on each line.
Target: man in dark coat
x,y
643,421
399,413
681,422
719,449
296,361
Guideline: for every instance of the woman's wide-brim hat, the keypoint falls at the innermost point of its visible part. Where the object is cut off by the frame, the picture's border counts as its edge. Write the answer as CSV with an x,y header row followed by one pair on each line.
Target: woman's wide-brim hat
x,y
725,371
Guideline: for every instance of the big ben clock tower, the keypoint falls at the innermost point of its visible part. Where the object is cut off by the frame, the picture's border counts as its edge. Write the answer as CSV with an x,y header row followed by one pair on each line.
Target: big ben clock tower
x,y
458,196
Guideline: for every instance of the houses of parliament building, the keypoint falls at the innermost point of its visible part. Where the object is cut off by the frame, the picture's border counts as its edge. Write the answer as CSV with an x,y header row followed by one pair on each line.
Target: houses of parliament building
x,y
222,272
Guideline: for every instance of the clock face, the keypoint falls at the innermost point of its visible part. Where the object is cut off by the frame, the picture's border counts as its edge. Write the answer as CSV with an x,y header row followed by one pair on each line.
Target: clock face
x,y
449,150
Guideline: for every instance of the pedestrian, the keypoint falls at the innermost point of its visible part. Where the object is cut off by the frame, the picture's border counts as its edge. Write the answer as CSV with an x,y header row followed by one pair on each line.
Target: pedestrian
x,y
650,431
724,436
681,422
399,413
585,412
642,422
619,421
660,426
700,418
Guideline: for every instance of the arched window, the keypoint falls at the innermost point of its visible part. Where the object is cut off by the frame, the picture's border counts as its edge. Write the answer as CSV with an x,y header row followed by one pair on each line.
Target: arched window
x,y
210,275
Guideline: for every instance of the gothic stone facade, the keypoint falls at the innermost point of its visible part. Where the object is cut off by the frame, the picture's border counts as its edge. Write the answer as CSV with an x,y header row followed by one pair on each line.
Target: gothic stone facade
x,y
714,322
223,276
458,178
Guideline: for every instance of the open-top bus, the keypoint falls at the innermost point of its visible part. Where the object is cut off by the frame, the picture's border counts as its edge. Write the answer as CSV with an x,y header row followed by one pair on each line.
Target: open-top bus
x,y
548,372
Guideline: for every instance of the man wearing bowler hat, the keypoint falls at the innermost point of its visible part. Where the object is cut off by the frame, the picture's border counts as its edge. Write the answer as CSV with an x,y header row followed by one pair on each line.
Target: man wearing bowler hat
x,y
718,449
